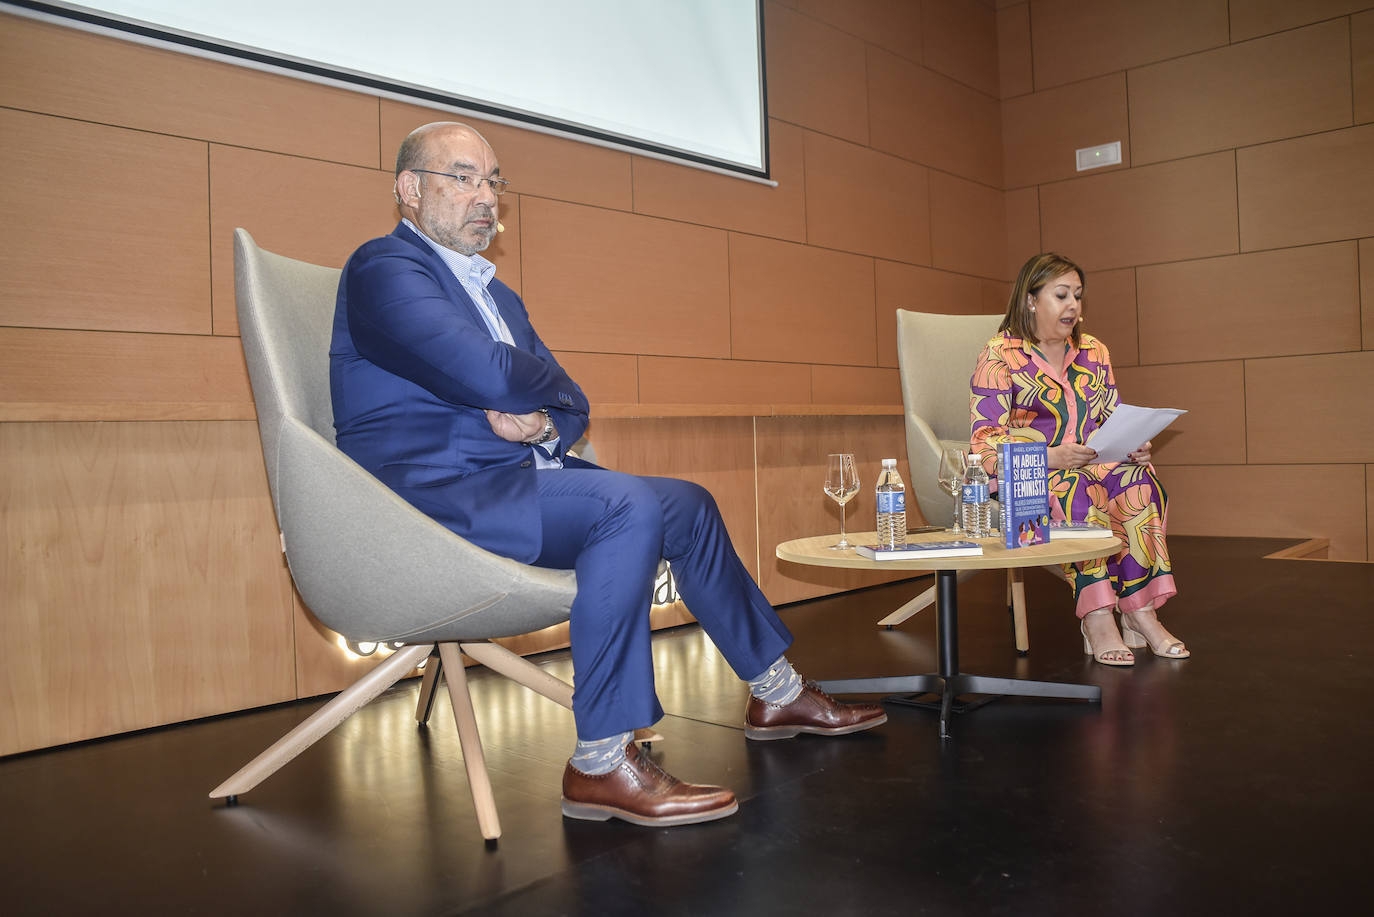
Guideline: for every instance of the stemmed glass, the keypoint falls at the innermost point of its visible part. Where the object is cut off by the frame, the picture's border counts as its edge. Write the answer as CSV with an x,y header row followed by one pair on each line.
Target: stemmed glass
x,y
841,484
951,478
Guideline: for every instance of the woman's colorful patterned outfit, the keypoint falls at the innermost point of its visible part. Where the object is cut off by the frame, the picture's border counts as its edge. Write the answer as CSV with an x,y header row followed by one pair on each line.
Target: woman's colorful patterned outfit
x,y
1019,397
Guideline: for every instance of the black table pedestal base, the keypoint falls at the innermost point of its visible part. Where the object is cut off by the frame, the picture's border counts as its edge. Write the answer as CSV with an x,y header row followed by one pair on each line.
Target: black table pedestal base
x,y
949,684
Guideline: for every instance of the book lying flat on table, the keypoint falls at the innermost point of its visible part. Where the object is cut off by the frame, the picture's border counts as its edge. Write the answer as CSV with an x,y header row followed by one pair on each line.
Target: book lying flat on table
x,y
919,551
1078,530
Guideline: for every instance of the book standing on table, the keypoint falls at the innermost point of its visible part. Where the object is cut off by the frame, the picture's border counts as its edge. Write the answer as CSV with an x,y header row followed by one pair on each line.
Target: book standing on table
x,y
1023,488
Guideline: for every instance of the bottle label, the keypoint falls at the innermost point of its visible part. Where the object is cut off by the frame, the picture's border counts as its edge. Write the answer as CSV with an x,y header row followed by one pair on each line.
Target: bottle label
x,y
891,501
975,493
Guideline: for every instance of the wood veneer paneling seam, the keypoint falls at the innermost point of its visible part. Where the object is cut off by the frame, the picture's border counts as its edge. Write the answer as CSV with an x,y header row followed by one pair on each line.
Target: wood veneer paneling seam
x,y
124,411
189,137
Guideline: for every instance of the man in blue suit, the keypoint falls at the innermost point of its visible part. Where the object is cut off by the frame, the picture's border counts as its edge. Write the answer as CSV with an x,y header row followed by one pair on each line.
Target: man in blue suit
x,y
444,391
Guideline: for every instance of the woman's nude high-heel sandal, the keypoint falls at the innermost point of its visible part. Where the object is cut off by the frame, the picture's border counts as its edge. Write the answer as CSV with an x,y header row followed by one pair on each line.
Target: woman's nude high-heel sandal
x,y
1169,648
1102,654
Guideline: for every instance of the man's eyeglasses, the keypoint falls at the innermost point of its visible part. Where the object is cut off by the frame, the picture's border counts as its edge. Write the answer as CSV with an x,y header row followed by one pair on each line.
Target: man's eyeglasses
x,y
471,183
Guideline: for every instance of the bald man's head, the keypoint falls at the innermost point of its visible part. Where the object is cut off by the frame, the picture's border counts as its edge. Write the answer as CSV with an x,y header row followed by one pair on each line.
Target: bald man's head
x,y
448,183
415,147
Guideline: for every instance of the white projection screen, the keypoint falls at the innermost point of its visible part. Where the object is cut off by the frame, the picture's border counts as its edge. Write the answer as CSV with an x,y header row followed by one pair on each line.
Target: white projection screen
x,y
676,79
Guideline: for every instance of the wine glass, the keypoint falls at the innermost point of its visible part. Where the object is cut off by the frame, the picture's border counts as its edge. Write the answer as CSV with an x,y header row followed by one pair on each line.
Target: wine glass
x,y
951,477
841,484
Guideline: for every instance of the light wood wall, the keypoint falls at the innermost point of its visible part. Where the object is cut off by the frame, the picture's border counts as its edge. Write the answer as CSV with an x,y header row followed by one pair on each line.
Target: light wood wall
x,y
1230,257
922,150
140,570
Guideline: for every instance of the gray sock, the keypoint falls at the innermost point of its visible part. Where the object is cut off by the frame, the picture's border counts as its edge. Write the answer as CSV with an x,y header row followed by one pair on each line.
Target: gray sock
x,y
778,684
600,756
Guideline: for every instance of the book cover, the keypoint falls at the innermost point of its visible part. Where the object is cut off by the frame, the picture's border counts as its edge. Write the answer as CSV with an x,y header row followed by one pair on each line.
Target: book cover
x,y
1078,530
1023,488
919,551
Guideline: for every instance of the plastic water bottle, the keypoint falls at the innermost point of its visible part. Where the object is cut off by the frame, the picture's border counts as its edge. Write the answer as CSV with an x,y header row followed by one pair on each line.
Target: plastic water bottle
x,y
977,509
891,506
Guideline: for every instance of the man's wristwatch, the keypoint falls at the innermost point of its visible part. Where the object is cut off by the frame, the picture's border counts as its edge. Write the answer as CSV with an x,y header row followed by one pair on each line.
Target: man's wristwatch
x,y
548,432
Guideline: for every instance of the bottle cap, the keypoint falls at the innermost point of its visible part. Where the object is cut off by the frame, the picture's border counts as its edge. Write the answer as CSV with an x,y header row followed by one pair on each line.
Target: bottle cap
x,y
889,462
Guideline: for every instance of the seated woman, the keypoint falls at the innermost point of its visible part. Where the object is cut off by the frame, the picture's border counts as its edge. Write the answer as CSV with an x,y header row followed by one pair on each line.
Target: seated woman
x,y
1042,379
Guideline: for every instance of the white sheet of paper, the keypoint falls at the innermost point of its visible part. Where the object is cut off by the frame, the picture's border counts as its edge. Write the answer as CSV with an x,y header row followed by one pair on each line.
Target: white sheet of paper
x,y
1128,429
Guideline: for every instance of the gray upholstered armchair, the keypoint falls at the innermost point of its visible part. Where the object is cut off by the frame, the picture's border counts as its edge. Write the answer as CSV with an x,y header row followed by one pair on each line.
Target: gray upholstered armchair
x,y
936,354
368,564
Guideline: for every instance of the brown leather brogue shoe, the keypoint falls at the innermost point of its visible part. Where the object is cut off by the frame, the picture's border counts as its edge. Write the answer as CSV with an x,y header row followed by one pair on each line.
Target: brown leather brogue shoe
x,y
642,793
813,711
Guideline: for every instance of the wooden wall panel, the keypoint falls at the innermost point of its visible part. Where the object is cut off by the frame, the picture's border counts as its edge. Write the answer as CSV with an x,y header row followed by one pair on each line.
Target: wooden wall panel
x,y
995,296
1110,314
1306,409
1041,131
301,208
906,101
1310,189
92,367
1250,18
891,24
1213,394
605,378
607,282
1268,89
1369,511
792,504
864,201
715,452
683,193
920,289
1022,208
142,579
113,228
1014,50
796,303
613,290
112,81
968,225
677,380
1362,65
960,41
1165,212
1249,501
536,164
830,98
1244,305
504,250
845,385
1077,39
1367,293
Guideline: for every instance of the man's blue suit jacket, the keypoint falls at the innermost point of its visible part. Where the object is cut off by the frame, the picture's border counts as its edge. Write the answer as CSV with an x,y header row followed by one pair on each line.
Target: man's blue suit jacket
x,y
413,369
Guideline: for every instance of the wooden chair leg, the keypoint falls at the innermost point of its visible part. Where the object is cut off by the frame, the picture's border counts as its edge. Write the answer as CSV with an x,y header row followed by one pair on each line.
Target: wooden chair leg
x,y
1016,588
474,761
429,684
921,601
521,671
322,721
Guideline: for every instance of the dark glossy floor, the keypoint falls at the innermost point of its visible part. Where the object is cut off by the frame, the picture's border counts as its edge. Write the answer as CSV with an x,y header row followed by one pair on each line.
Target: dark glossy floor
x,y
1238,782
